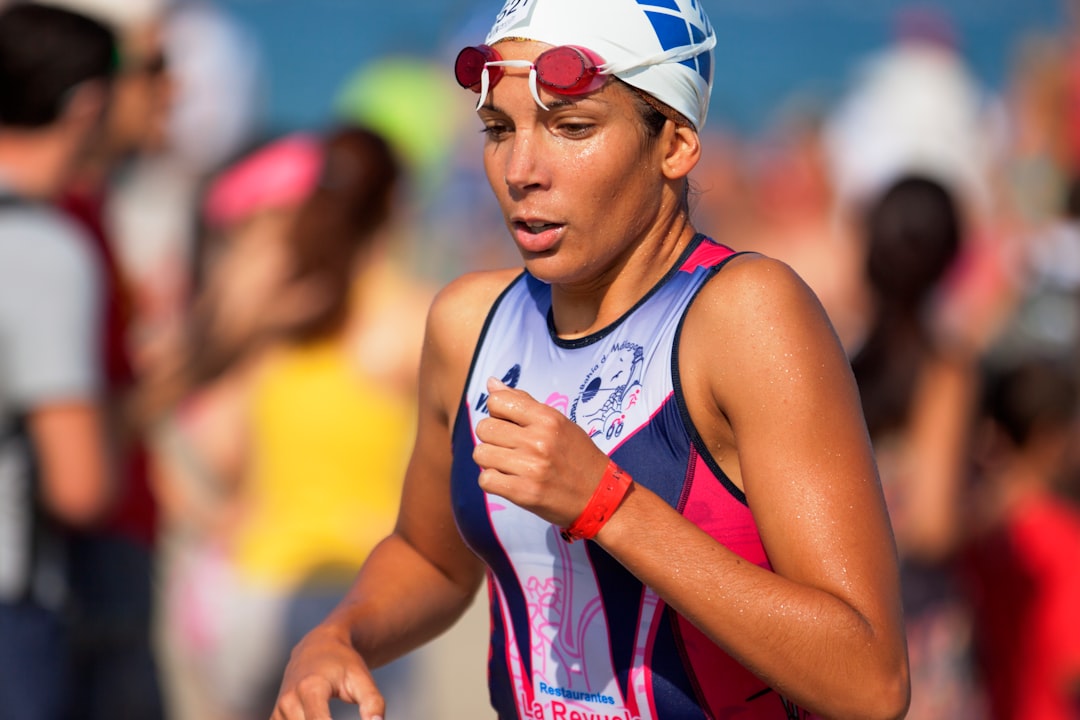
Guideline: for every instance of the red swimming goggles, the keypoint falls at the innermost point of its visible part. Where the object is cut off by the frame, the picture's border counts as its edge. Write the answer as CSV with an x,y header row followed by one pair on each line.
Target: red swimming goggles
x,y
563,70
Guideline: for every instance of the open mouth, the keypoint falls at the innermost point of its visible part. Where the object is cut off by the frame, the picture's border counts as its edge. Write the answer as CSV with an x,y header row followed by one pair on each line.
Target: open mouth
x,y
536,227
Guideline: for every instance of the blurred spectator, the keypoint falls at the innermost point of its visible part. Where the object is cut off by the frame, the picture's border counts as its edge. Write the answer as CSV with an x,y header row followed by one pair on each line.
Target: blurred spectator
x,y
216,93
113,566
197,397
1037,130
915,107
790,212
218,74
306,361
919,392
412,102
1044,314
1023,559
56,70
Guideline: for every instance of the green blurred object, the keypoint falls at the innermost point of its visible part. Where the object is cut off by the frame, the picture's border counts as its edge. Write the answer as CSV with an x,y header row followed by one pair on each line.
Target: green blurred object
x,y
415,104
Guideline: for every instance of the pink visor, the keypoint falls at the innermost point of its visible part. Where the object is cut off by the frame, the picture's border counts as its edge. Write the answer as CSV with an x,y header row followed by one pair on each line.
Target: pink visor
x,y
279,175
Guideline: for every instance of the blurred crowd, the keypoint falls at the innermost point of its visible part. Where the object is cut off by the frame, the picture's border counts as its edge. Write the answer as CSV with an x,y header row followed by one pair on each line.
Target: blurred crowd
x,y
210,331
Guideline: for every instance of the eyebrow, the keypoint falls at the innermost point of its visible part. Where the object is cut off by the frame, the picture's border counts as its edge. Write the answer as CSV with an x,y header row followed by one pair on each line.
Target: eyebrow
x,y
557,104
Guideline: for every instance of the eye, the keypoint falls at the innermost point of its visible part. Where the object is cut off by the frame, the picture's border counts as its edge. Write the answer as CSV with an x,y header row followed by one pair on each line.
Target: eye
x,y
496,129
575,128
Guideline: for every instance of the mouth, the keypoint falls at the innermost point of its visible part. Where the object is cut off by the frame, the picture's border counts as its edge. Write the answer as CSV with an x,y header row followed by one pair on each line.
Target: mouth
x,y
535,235
535,226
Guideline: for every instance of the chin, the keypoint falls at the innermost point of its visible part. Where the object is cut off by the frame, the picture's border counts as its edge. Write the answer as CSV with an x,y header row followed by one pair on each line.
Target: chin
x,y
554,270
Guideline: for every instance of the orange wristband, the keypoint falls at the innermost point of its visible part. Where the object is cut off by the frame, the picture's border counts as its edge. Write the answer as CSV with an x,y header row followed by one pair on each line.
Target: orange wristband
x,y
602,505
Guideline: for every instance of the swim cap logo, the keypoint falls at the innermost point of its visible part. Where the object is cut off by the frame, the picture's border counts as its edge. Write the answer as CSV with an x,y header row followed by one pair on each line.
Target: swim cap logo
x,y
675,27
509,14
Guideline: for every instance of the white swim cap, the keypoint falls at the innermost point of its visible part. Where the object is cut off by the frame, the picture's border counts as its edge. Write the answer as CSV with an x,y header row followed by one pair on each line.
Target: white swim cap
x,y
663,47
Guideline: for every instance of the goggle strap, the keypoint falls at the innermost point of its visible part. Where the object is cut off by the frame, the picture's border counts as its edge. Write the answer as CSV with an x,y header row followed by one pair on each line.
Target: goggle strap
x,y
673,55
533,89
485,80
485,83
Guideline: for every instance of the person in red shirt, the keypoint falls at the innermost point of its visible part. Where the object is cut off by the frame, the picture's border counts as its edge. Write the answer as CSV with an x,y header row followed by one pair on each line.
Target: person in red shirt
x,y
1023,558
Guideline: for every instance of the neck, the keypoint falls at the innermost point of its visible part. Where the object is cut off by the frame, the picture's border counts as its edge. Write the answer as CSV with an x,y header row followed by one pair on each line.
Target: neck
x,y
583,309
33,162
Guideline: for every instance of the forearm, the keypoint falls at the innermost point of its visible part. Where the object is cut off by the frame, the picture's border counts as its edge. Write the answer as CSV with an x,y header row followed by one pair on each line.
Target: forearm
x,y
399,601
77,468
940,441
806,643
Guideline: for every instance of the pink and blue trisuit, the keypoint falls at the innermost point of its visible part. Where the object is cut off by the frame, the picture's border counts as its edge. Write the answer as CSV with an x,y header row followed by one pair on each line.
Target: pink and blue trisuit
x,y
574,636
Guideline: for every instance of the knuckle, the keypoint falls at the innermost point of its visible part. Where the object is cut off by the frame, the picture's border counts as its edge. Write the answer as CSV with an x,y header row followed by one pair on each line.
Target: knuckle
x,y
479,455
311,685
531,497
543,445
484,479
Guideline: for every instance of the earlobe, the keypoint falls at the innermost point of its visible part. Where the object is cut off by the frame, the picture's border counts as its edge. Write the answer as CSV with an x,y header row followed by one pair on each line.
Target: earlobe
x,y
683,150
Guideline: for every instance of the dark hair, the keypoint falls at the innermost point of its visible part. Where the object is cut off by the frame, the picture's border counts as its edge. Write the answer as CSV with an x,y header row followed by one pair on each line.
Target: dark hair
x,y
654,113
46,52
352,201
913,234
1033,394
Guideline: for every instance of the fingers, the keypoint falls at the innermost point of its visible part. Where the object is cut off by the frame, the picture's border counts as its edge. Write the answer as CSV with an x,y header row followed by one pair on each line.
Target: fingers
x,y
309,701
509,403
310,698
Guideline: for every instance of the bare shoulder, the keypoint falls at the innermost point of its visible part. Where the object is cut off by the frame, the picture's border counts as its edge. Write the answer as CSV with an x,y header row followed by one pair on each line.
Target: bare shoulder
x,y
460,308
757,328
756,302
753,287
454,322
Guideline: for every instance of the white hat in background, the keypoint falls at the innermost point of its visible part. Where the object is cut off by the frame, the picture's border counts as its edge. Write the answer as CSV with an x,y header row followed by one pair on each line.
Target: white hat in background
x,y
120,15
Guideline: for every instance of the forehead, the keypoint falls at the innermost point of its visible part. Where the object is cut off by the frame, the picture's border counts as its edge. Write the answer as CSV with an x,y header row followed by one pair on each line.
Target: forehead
x,y
515,49
528,50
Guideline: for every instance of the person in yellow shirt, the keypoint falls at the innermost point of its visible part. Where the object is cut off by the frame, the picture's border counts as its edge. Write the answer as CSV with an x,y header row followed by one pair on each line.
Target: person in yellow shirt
x,y
300,399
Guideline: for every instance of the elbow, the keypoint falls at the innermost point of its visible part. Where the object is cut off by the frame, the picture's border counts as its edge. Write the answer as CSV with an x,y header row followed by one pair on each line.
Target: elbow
x,y
882,694
81,503
891,694
895,696
82,511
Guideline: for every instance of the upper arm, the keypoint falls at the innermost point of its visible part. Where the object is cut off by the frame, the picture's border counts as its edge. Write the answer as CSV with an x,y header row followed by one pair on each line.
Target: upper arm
x,y
52,323
426,519
781,397
52,366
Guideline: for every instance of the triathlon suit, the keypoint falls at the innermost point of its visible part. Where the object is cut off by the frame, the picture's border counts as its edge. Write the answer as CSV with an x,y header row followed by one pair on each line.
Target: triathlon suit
x,y
574,636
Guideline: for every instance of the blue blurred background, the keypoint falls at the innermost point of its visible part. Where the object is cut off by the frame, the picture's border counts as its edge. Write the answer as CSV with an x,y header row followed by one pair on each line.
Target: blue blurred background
x,y
768,52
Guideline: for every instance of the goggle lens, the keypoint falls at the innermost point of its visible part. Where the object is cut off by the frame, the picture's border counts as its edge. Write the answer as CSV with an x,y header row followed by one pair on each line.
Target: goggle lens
x,y
469,66
566,70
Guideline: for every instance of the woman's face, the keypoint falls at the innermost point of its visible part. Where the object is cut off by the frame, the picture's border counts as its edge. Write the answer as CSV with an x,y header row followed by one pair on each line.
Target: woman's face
x,y
578,184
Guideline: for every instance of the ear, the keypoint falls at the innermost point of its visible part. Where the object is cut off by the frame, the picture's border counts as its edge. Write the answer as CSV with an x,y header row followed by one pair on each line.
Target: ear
x,y
86,102
682,150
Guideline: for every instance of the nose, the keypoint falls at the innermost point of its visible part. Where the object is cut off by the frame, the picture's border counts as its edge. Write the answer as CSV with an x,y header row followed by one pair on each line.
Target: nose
x,y
525,169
